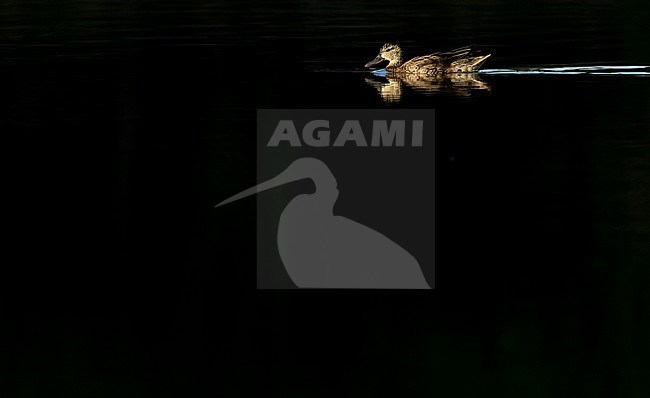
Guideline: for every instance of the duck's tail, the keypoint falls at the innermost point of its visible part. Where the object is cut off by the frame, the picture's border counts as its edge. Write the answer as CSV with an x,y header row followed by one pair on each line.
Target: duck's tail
x,y
469,64
477,62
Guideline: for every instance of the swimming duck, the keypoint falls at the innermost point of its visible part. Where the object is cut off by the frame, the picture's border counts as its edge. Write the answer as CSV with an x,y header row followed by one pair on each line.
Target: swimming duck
x,y
461,60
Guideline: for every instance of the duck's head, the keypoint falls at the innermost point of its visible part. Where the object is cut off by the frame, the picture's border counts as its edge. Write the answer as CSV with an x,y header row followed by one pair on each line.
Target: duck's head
x,y
388,52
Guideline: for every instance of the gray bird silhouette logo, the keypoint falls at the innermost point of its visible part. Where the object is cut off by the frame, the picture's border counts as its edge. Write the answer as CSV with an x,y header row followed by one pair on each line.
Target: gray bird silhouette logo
x,y
323,250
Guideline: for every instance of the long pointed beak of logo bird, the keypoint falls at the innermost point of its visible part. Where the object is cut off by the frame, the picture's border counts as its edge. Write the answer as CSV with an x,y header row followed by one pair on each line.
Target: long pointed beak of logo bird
x,y
298,170
378,59
281,179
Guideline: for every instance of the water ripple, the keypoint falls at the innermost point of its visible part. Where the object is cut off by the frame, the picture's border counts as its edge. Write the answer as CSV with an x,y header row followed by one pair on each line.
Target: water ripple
x,y
629,70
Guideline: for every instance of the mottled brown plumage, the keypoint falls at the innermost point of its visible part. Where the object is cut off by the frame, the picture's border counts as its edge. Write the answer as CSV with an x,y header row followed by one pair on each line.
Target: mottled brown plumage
x,y
461,60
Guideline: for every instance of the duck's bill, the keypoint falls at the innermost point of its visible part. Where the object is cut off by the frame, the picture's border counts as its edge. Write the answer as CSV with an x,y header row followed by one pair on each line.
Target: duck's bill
x,y
375,61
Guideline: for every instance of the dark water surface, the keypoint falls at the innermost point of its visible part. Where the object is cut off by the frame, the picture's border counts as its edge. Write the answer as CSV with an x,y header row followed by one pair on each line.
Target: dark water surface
x,y
125,122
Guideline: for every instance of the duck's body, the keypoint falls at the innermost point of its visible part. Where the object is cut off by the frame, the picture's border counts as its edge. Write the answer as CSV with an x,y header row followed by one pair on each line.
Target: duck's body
x,y
461,60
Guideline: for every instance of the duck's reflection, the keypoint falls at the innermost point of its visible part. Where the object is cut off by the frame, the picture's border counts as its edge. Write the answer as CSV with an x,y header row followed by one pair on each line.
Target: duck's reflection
x,y
391,86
